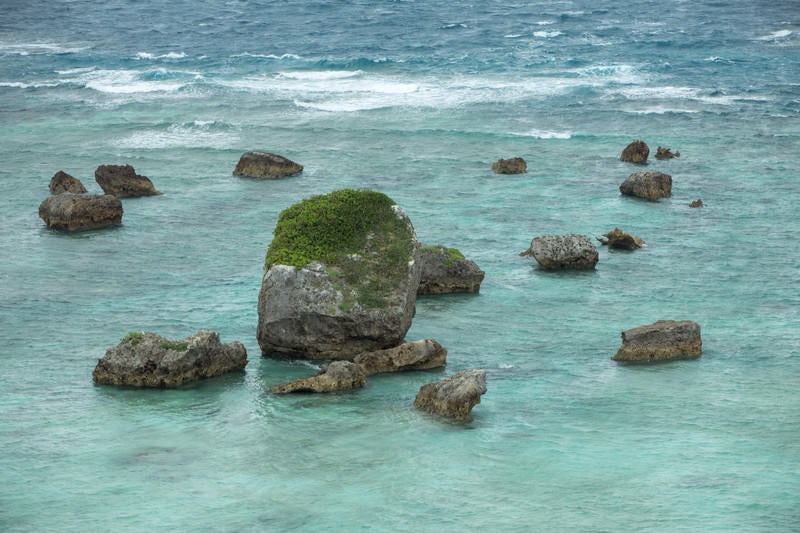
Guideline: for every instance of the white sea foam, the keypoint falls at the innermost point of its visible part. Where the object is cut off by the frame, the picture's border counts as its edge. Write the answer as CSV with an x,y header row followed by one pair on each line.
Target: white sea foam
x,y
544,22
26,49
320,75
268,56
170,55
780,34
129,81
34,85
196,134
542,134
547,34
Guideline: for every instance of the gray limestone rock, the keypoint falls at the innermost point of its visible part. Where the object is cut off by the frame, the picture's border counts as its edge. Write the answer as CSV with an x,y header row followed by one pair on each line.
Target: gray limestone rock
x,y
265,165
445,270
636,152
76,212
123,182
664,340
560,252
515,165
62,182
417,355
453,397
648,185
338,376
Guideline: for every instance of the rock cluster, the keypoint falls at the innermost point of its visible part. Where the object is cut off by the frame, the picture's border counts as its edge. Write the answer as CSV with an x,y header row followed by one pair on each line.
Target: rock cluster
x,y
666,153
417,355
453,397
123,182
265,165
515,165
636,152
337,376
76,212
664,340
697,203
559,252
62,182
622,240
648,185
445,270
149,360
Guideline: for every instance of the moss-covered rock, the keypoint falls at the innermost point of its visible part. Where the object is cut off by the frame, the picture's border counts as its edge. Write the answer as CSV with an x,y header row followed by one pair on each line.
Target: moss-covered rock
x,y
341,276
446,270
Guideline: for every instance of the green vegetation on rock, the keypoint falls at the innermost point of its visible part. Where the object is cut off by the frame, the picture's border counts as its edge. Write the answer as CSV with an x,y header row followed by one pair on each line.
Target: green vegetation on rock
x,y
453,254
175,345
134,337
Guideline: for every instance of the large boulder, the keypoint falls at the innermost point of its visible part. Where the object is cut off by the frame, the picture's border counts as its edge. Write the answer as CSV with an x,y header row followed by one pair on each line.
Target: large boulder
x,y
75,212
417,355
648,185
453,397
62,182
265,165
621,240
561,252
665,340
446,270
149,360
338,376
515,165
341,277
636,152
123,182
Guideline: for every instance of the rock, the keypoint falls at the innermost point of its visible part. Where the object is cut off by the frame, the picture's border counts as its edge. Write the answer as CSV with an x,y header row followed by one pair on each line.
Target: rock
x,y
666,153
648,185
445,270
63,182
665,340
453,397
149,360
123,182
557,252
697,203
341,277
338,376
636,152
417,355
515,165
265,165
619,239
75,212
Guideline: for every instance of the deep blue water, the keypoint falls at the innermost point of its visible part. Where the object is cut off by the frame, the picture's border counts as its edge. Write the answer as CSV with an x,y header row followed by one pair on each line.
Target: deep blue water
x,y
415,99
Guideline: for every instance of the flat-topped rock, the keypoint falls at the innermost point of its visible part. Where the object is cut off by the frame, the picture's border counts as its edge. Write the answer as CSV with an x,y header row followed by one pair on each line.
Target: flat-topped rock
x,y
149,360
635,152
446,270
417,355
515,165
265,165
664,340
453,397
621,240
77,212
648,185
123,182
563,252
338,376
62,182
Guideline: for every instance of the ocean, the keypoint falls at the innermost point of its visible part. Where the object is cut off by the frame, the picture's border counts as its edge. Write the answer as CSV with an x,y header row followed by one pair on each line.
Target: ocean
x,y
415,99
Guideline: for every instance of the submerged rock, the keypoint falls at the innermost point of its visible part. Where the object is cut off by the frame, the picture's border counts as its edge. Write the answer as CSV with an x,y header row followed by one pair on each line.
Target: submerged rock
x,y
76,212
453,397
559,252
636,152
666,153
62,182
697,203
648,185
338,376
149,360
341,277
265,165
665,340
515,165
123,182
417,355
619,239
446,270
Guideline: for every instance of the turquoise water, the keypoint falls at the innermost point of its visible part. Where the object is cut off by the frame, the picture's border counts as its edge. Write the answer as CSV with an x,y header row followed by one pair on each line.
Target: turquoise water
x,y
415,99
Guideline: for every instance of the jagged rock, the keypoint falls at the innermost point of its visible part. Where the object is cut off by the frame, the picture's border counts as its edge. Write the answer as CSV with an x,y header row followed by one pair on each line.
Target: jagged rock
x,y
619,239
338,376
636,152
515,165
123,182
417,355
665,340
75,212
341,277
149,360
557,252
648,185
455,396
63,182
265,165
666,153
445,270
697,203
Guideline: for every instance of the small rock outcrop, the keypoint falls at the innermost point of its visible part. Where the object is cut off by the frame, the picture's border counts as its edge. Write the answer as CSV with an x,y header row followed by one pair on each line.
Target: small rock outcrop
x,y
697,203
666,153
149,360
76,212
123,182
417,355
665,340
515,165
621,240
338,376
559,252
63,182
636,152
446,270
265,165
453,397
341,277
648,185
